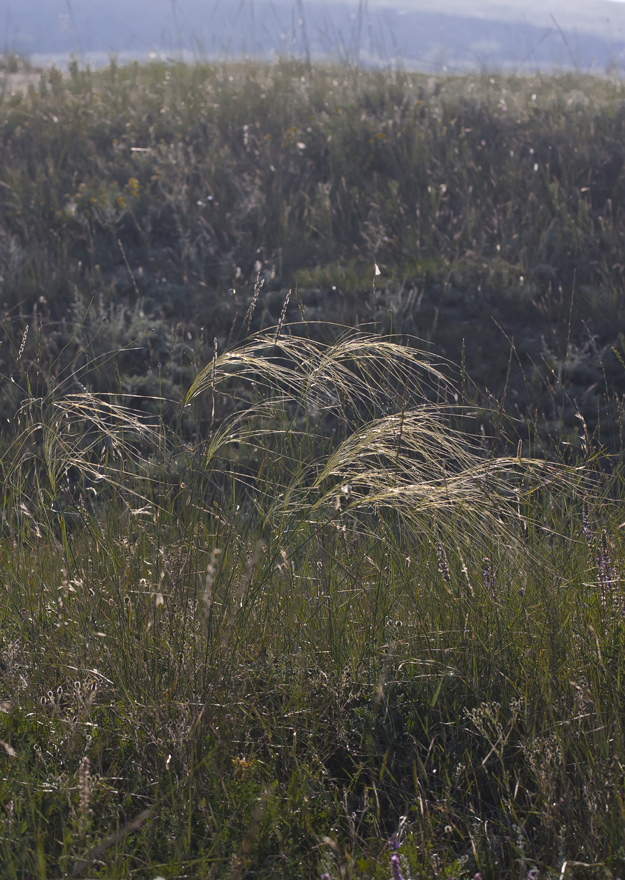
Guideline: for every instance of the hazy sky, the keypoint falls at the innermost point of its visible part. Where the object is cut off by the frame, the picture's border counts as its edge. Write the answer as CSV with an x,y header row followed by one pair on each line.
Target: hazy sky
x,y
545,32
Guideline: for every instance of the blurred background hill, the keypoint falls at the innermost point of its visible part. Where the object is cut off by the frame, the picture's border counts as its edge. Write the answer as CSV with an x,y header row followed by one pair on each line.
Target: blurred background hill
x,y
453,35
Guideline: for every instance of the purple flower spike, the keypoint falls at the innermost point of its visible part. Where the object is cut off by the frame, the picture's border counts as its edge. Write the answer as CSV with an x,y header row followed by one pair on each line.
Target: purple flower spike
x,y
533,874
489,576
395,869
325,876
586,523
443,565
393,844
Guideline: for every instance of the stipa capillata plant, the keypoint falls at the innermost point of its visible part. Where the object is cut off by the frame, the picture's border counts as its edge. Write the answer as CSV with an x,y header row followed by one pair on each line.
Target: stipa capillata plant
x,y
296,425
69,445
79,441
374,415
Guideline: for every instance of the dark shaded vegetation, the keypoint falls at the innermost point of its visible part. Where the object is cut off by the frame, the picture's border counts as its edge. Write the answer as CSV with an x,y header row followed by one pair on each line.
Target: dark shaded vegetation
x,y
494,207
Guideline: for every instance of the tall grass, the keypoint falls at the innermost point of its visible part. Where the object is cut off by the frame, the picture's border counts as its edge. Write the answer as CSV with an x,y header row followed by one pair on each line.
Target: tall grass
x,y
260,649
276,589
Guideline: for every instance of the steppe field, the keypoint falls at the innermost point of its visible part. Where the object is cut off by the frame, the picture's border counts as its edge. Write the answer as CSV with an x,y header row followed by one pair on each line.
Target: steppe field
x,y
312,459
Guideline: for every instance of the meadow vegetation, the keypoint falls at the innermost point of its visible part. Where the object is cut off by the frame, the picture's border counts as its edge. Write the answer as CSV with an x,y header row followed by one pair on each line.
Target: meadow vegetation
x,y
312,474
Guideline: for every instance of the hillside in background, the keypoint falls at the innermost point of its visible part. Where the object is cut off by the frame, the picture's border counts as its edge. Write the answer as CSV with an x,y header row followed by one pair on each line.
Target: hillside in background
x,y
457,36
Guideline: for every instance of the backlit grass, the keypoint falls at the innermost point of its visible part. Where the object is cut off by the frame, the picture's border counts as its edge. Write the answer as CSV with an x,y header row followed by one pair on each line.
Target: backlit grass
x,y
287,574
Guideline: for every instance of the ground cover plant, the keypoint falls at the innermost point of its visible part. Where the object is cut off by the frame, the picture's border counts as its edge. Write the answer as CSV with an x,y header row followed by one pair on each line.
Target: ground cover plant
x,y
293,597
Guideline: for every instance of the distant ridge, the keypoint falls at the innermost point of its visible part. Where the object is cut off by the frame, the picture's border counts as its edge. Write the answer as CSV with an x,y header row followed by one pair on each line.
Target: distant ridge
x,y
604,18
580,34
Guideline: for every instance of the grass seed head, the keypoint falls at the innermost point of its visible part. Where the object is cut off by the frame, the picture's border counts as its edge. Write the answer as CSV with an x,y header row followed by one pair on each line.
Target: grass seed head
x,y
84,791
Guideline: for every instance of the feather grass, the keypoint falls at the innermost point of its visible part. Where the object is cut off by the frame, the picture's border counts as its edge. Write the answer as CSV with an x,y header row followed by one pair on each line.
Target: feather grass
x,y
416,460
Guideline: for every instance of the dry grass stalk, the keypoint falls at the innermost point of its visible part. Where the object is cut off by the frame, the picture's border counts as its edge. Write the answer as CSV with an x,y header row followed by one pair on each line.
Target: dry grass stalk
x,y
258,286
282,317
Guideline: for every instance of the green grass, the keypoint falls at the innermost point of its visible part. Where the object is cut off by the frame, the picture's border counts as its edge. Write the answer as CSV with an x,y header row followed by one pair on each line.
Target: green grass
x,y
279,580
480,198
330,609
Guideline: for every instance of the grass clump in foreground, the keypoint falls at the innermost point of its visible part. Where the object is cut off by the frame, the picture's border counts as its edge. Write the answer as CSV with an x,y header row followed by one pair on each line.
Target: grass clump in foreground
x,y
301,613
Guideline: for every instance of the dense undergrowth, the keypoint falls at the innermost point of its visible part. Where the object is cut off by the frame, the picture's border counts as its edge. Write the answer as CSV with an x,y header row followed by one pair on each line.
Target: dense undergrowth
x,y
493,206
320,614
277,589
